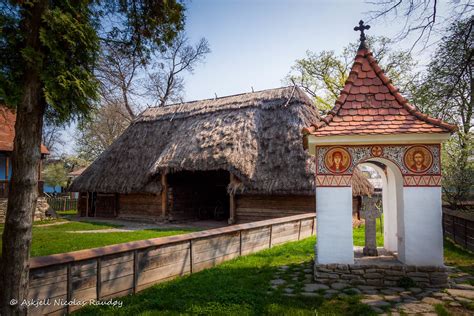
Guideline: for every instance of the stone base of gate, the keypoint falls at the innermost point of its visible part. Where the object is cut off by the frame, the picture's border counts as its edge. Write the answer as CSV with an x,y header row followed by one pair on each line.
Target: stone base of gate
x,y
381,271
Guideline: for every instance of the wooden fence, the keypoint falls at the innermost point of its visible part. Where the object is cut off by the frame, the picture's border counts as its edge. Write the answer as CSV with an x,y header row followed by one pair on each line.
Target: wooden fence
x,y
62,203
118,270
459,227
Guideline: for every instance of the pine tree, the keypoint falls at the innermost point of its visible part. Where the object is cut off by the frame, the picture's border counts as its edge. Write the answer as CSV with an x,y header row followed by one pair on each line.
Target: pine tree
x,y
49,49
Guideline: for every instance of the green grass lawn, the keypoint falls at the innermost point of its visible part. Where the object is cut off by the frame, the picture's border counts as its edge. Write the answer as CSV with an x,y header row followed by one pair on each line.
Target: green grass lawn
x,y
58,238
359,234
54,239
240,286
67,213
456,256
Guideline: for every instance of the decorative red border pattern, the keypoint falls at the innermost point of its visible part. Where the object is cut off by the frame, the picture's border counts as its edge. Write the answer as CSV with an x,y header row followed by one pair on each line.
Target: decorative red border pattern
x,y
422,181
325,180
409,179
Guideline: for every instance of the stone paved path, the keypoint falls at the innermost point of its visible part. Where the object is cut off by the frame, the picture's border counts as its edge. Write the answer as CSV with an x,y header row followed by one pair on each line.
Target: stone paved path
x,y
297,279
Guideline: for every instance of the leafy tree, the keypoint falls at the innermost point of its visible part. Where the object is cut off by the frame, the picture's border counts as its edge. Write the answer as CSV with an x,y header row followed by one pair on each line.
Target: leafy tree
x,y
322,75
447,87
447,92
458,172
55,174
49,49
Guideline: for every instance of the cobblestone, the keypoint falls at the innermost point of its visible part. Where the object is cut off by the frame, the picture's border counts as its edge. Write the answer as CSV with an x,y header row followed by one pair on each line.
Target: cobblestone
x,y
298,281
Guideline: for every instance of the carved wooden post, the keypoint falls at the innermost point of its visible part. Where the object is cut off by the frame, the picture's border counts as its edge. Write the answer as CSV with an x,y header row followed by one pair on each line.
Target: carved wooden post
x,y
231,202
164,194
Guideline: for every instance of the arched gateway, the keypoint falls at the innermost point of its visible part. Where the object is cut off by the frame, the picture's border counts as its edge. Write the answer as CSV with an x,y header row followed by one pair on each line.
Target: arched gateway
x,y
372,123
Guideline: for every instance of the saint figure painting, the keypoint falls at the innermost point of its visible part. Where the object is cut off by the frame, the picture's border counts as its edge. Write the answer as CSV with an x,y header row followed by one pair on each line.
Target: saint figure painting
x,y
337,160
418,159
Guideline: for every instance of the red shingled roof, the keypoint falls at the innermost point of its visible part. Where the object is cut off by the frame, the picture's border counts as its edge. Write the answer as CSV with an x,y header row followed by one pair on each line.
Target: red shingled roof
x,y
369,104
7,130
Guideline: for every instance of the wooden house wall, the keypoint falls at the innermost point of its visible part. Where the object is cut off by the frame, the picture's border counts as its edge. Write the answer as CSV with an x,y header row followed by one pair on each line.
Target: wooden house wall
x,y
139,206
182,205
82,204
106,205
261,207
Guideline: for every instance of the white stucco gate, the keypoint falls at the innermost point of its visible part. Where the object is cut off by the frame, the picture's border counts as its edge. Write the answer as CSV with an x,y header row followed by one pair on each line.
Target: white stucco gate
x,y
372,123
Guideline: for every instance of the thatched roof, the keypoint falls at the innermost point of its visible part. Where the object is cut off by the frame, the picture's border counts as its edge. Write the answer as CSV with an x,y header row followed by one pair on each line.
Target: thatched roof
x,y
256,136
360,184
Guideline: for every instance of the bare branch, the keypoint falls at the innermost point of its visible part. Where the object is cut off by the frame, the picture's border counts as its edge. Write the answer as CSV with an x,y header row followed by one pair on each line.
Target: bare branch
x,y
166,83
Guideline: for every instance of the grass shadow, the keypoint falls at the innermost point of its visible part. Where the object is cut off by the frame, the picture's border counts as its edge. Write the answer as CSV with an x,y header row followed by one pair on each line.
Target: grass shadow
x,y
240,286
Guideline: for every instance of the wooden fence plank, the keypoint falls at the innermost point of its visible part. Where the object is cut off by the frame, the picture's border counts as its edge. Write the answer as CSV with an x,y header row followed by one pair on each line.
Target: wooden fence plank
x,y
459,229
119,270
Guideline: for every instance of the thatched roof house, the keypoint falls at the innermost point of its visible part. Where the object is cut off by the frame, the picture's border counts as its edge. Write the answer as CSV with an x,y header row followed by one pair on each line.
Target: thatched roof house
x,y
245,147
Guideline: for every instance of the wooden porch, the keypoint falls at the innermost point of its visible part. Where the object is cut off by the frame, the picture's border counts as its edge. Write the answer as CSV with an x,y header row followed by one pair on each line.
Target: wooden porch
x,y
4,188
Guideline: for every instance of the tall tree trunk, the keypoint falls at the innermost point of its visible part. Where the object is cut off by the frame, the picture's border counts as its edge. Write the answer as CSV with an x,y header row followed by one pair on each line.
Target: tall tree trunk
x,y
23,193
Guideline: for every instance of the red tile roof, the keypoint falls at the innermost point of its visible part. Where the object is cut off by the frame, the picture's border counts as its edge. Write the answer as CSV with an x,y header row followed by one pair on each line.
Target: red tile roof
x,y
369,104
7,130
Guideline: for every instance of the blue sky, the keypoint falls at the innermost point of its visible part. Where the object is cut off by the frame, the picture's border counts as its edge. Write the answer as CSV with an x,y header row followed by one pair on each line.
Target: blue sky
x,y
254,43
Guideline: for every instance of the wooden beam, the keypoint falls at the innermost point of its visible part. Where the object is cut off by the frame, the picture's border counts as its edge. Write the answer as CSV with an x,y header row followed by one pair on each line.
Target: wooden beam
x,y
98,285
231,203
69,287
164,194
87,204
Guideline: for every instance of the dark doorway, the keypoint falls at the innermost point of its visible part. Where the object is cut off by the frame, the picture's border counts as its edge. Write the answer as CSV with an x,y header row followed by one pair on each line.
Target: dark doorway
x,y
199,195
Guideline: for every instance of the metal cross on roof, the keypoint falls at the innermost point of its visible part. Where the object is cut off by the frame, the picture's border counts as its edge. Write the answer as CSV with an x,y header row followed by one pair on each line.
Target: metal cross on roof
x,y
362,28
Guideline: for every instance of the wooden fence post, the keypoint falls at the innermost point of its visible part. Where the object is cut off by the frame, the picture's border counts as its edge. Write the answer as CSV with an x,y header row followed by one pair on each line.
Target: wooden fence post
x,y
99,277
135,271
69,288
271,231
190,256
164,194
299,231
240,248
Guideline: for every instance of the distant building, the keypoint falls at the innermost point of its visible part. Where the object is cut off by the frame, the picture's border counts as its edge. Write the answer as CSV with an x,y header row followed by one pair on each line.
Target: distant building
x,y
238,158
7,136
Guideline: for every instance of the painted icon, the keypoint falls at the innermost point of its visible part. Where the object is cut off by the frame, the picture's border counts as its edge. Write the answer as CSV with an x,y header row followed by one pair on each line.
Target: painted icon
x,y
337,160
377,151
418,159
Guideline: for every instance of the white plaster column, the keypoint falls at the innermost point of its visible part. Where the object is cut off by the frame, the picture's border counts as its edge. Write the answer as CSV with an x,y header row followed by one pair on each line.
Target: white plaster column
x,y
391,218
423,226
334,225
389,205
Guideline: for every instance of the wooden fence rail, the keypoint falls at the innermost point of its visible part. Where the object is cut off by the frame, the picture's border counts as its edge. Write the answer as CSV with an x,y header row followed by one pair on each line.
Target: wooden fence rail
x,y
459,227
118,270
62,203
